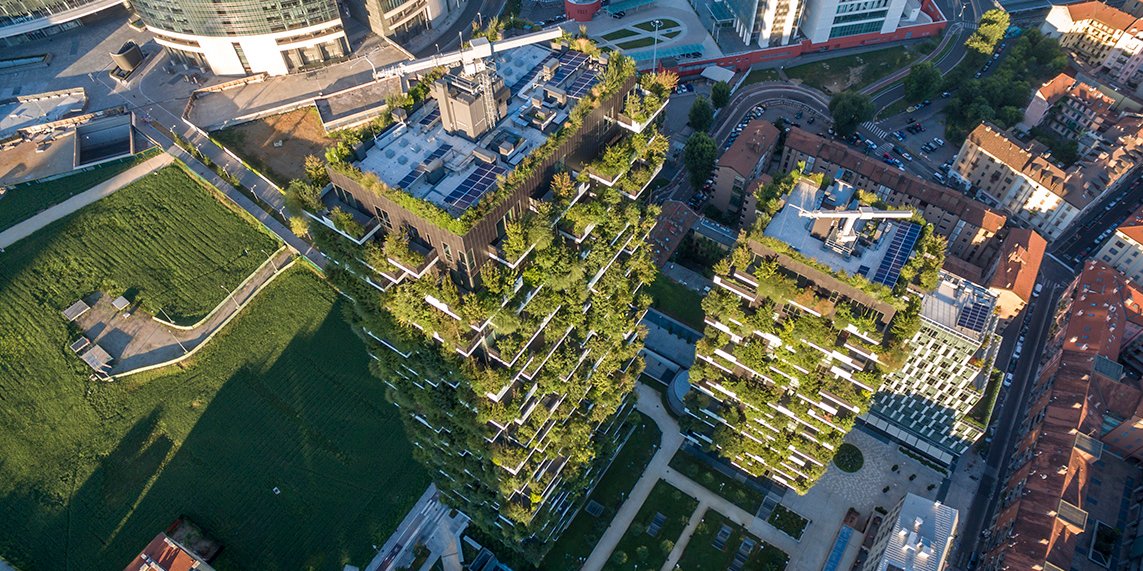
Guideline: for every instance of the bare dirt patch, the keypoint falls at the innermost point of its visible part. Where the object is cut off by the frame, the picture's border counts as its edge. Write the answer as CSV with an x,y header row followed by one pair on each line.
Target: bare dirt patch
x,y
299,133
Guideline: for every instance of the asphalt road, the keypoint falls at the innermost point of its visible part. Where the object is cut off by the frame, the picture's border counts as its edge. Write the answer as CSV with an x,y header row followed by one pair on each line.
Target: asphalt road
x,y
1058,269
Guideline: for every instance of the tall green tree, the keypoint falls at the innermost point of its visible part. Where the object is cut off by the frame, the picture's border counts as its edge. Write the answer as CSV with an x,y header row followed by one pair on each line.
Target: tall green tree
x,y
698,156
850,109
701,114
923,81
991,29
720,94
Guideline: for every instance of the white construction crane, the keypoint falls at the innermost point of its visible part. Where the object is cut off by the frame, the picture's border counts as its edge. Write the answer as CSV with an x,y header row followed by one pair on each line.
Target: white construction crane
x,y
474,58
845,234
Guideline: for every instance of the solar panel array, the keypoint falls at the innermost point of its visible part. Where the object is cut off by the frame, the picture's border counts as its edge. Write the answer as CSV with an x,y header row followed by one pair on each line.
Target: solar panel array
x,y
899,249
410,178
474,187
430,118
974,316
527,77
570,61
582,84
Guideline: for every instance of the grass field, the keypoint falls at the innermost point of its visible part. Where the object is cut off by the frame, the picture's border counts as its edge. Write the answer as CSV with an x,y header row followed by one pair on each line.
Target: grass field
x,y
788,521
619,34
638,43
281,398
638,549
701,553
759,75
854,71
737,492
585,530
676,300
299,131
26,200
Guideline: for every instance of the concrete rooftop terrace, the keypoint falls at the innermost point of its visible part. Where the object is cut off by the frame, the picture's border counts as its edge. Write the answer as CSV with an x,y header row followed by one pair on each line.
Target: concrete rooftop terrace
x,y
868,260
960,306
402,156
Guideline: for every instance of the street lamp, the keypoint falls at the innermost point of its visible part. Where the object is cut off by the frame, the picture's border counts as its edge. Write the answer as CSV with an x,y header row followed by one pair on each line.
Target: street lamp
x,y
655,54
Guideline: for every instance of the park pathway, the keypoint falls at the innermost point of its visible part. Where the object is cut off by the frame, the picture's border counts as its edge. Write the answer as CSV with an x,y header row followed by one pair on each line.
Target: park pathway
x,y
650,403
685,537
151,343
106,188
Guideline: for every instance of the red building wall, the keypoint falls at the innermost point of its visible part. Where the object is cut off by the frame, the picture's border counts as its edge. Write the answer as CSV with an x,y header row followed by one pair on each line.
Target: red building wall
x,y
581,11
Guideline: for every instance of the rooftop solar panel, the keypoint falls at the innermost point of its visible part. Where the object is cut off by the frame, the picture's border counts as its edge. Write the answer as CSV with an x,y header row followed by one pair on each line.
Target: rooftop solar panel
x,y
431,117
582,84
569,62
410,178
974,316
472,188
527,77
899,249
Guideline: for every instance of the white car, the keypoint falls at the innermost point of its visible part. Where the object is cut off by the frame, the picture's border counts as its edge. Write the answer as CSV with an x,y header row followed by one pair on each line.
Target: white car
x,y
1036,290
1008,379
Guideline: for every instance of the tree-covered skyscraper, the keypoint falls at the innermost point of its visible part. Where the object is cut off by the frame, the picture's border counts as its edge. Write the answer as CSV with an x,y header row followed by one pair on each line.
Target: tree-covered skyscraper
x,y
501,295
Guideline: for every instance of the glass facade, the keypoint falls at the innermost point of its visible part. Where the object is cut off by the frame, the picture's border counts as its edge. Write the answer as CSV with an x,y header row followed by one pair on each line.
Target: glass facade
x,y
235,17
17,11
855,29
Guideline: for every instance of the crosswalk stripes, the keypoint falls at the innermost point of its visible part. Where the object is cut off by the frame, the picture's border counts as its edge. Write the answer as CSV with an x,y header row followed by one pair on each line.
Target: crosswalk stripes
x,y
873,128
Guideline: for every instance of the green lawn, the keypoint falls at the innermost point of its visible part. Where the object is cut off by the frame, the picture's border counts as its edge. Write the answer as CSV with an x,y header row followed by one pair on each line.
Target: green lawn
x,y
164,239
701,553
281,398
853,71
639,43
667,24
788,521
676,300
737,492
637,549
26,200
619,34
585,530
759,75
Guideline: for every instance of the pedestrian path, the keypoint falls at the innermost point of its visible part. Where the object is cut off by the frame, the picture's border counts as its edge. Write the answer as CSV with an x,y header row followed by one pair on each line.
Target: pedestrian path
x,y
106,188
873,128
685,537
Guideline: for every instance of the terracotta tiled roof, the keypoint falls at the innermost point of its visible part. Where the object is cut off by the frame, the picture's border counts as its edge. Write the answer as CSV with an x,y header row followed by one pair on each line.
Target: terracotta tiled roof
x,y
1056,87
1133,226
928,193
1109,16
675,220
166,555
758,138
1019,262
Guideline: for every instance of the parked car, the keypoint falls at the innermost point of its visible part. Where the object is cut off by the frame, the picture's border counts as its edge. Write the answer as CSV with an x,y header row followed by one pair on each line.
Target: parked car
x,y
907,156
1008,379
1036,290
939,141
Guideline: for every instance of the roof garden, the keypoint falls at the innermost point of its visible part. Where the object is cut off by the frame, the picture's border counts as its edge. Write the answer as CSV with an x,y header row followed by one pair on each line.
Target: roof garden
x,y
882,246
453,171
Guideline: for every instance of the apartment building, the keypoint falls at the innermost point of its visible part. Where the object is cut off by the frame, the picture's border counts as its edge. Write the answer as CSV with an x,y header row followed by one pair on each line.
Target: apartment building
x,y
1100,36
917,534
1071,108
1125,248
972,229
502,303
738,170
925,404
1013,277
1070,494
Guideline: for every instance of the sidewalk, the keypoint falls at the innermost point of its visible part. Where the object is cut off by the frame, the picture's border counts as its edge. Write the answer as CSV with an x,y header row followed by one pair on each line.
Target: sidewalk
x,y
106,188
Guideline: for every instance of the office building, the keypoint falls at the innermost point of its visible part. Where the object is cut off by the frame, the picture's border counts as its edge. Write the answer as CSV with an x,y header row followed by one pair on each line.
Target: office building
x,y
737,173
26,20
241,37
825,20
925,405
917,535
400,20
764,23
1070,497
501,303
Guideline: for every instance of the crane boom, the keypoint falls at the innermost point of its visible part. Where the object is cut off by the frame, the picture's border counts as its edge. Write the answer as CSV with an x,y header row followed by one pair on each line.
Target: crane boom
x,y
479,50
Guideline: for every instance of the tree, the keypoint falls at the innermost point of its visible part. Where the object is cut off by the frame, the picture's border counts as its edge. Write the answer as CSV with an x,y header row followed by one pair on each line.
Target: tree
x,y
850,109
923,81
302,196
992,27
299,226
315,171
720,94
701,114
698,156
